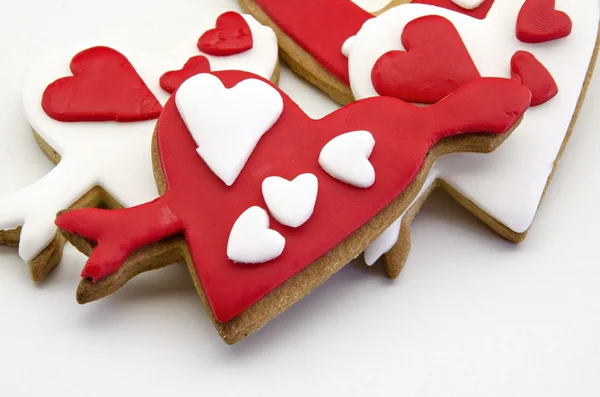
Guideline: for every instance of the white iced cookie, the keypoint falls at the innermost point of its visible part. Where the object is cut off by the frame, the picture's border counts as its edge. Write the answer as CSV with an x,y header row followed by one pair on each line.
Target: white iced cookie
x,y
507,184
113,155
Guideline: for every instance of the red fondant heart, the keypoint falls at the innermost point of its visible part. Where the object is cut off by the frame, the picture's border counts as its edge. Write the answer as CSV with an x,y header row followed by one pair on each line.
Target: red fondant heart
x,y
539,21
435,63
231,36
527,69
203,208
171,81
104,87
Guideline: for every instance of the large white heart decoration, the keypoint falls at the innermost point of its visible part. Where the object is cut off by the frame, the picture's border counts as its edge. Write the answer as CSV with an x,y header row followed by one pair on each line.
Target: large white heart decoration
x,y
251,240
291,202
227,124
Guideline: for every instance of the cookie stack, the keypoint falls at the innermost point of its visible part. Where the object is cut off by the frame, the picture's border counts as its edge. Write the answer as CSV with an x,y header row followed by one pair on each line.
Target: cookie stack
x,y
197,156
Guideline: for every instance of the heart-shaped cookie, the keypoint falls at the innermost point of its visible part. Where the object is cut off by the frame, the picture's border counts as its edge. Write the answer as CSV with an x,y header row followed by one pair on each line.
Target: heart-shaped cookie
x,y
98,155
104,87
291,202
226,144
539,21
205,209
429,69
231,36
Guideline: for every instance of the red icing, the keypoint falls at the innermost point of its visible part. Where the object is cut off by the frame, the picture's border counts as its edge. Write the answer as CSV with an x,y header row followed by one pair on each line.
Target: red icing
x,y
104,87
171,81
319,27
435,63
205,209
528,70
231,36
116,231
479,12
539,21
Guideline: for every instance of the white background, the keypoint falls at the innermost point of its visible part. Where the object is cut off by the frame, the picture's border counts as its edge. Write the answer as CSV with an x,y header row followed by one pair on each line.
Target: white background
x,y
470,315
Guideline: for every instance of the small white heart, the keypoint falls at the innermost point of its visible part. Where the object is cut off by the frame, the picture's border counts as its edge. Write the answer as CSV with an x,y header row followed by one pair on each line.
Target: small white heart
x,y
227,123
291,202
251,240
346,158
468,4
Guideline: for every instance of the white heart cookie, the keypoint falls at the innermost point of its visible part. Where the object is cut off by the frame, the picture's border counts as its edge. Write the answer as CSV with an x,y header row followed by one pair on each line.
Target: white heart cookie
x,y
346,158
227,124
508,183
468,4
251,240
116,156
291,202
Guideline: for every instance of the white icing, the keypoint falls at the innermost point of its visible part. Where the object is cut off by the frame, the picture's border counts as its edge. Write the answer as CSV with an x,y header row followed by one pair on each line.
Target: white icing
x,y
386,241
346,158
291,202
251,240
113,155
347,46
383,244
227,123
468,4
508,183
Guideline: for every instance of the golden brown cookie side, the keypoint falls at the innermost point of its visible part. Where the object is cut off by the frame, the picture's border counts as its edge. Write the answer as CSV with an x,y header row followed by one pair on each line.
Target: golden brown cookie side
x,y
299,60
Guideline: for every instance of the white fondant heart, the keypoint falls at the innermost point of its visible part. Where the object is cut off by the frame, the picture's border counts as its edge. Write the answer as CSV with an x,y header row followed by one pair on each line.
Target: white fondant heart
x,y
291,202
227,123
251,240
346,158
468,4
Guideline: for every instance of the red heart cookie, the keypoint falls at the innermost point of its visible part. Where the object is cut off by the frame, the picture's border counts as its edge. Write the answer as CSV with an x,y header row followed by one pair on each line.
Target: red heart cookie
x,y
539,21
104,87
199,205
528,70
170,81
231,36
435,63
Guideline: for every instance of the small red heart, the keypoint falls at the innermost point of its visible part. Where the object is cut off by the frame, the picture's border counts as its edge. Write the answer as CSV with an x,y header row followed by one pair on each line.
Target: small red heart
x,y
530,72
231,36
171,81
104,87
539,21
435,63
